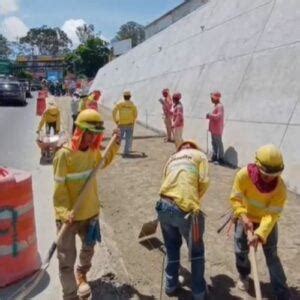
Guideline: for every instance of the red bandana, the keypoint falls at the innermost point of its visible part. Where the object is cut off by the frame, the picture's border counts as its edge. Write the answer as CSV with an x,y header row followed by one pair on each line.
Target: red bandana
x,y
77,137
261,185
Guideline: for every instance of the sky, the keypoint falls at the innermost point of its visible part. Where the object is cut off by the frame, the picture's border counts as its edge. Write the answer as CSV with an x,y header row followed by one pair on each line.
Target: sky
x,y
17,16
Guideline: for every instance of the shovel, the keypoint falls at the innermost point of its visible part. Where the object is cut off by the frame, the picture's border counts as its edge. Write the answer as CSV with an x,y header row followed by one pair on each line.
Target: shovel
x,y
25,289
148,229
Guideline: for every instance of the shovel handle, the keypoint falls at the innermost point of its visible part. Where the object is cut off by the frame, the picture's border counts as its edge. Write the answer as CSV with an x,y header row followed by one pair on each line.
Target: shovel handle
x,y
254,268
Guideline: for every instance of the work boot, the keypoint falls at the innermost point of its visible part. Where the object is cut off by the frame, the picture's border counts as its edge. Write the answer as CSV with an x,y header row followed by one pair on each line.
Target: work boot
x,y
243,283
222,162
213,159
83,288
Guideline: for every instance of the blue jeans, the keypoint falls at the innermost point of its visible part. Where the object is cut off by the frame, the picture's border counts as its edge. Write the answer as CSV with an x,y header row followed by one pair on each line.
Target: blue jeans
x,y
277,276
174,226
217,145
127,134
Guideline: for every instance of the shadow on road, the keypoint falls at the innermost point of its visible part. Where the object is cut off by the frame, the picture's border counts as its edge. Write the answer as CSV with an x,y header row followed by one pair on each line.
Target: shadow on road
x,y
12,291
221,286
135,154
295,293
106,288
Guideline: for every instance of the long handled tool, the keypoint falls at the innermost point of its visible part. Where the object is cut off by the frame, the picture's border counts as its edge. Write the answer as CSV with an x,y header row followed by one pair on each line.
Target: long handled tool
x,y
24,290
254,268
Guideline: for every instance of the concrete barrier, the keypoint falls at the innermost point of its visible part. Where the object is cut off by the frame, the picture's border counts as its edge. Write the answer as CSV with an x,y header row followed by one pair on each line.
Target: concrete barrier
x,y
249,50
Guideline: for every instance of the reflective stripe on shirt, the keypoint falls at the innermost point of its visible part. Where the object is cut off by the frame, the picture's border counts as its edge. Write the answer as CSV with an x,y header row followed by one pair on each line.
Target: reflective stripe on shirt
x,y
58,179
259,205
78,176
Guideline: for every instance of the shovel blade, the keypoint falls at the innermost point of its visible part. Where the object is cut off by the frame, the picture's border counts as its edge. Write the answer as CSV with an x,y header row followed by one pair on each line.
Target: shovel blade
x,y
148,229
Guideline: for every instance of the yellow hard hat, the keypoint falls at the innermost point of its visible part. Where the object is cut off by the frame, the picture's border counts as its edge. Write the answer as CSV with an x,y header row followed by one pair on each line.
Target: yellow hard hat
x,y
127,93
90,120
193,143
269,160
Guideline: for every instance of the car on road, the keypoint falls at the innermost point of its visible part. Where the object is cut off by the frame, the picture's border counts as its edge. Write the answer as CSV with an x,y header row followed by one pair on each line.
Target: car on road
x,y
12,91
27,86
36,86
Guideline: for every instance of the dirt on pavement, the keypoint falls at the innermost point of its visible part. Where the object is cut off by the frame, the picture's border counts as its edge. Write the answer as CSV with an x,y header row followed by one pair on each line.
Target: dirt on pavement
x,y
129,191
125,269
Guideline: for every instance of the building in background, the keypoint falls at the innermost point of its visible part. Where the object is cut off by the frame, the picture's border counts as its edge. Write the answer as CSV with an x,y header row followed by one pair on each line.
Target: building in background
x,y
172,16
42,66
120,47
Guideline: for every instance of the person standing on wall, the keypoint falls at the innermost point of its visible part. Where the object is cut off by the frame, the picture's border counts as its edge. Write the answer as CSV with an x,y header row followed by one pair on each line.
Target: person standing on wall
x,y
258,197
216,126
167,113
125,115
185,181
177,119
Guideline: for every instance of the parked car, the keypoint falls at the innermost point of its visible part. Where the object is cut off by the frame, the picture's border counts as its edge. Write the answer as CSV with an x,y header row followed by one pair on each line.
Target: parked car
x,y
27,86
36,86
12,91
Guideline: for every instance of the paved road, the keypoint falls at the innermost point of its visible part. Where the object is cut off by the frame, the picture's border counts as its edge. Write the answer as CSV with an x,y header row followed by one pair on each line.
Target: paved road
x,y
18,150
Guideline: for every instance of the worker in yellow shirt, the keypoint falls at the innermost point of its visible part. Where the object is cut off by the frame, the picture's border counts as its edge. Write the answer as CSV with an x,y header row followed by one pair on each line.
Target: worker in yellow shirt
x,y
258,198
125,115
84,98
72,166
50,118
185,180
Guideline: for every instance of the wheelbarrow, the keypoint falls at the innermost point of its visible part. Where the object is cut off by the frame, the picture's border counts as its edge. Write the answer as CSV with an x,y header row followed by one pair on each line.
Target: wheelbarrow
x,y
49,145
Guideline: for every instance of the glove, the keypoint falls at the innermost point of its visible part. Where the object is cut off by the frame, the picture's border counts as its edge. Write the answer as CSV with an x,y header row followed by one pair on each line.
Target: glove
x,y
196,210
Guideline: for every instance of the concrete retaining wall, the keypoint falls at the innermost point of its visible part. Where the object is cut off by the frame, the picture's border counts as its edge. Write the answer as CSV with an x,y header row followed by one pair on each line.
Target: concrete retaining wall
x,y
172,16
249,50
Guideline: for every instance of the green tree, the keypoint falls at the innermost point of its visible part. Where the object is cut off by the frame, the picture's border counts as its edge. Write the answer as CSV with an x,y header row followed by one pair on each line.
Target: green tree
x,y
24,75
85,32
88,57
131,30
4,48
49,41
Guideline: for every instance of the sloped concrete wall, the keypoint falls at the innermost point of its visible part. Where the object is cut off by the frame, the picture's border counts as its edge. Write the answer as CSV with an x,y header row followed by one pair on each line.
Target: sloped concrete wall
x,y
249,50
172,16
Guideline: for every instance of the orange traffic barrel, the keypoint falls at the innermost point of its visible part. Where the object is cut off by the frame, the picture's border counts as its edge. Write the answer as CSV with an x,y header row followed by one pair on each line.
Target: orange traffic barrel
x,y
40,105
18,244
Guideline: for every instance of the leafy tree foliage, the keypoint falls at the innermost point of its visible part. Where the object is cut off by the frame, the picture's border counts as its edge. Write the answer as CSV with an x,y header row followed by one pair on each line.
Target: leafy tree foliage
x,y
131,30
89,57
4,48
49,41
85,32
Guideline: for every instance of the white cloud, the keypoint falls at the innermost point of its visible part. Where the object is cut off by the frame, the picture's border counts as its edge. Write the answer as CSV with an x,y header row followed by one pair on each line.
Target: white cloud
x,y
69,27
104,38
8,6
13,28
